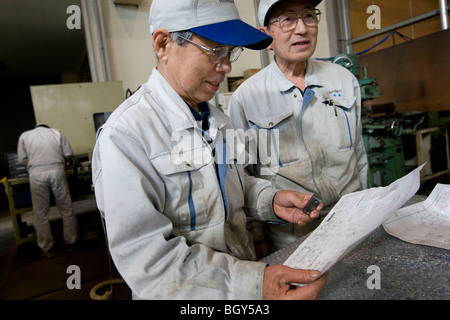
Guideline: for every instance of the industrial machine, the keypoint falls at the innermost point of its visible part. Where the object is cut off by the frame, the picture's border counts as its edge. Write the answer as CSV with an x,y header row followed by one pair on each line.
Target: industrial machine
x,y
369,87
384,147
398,142
384,152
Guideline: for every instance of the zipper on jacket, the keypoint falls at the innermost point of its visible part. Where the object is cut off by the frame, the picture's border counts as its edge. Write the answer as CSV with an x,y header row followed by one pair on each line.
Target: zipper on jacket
x,y
239,176
348,126
275,148
220,153
191,204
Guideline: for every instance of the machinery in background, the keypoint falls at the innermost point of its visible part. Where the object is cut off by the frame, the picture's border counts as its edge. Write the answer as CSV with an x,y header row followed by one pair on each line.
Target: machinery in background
x,y
398,143
18,193
388,135
384,152
384,147
369,86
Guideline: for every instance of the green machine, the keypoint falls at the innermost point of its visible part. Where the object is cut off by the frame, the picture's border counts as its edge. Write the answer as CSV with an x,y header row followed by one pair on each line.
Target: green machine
x,y
383,144
384,152
369,86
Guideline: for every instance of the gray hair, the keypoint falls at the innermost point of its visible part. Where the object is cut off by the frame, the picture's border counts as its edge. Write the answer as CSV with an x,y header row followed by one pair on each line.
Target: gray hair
x,y
184,34
176,37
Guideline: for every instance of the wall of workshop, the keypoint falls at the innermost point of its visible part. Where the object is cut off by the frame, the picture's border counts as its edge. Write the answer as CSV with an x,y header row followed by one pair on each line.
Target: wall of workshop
x,y
405,70
132,57
392,12
130,44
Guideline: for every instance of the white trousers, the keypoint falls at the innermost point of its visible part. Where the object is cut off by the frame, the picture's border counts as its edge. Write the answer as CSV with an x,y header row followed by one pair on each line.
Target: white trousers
x,y
41,184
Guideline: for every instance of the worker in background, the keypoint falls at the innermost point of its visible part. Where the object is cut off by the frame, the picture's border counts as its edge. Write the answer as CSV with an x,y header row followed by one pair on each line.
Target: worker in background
x,y
167,180
45,151
312,107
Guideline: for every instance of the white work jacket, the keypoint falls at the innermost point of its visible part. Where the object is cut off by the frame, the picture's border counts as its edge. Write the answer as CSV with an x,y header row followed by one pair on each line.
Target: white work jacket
x,y
176,226
315,137
43,149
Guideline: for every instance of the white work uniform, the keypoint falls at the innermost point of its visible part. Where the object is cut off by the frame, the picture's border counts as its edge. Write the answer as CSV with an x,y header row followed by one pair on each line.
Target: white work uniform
x,y
314,137
44,151
177,226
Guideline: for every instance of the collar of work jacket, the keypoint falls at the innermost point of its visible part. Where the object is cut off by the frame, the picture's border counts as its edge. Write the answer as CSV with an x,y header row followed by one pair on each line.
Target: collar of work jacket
x,y
180,119
180,116
284,84
315,78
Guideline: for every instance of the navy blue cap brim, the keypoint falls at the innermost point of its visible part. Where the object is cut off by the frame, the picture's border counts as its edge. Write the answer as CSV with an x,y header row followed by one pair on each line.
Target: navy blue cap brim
x,y
234,33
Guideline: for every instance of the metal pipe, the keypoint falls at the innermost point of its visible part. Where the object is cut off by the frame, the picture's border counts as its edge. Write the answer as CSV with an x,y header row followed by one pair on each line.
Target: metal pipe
x,y
87,33
345,27
103,41
264,55
444,15
398,25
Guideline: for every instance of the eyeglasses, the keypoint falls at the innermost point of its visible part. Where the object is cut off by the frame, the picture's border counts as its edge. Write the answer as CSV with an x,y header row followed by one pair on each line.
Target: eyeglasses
x,y
289,21
219,53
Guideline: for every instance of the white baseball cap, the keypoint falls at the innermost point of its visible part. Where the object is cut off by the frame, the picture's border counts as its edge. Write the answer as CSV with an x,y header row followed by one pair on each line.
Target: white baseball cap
x,y
216,20
266,7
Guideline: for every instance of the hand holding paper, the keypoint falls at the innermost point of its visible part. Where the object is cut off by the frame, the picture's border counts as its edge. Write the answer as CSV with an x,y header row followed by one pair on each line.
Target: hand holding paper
x,y
353,218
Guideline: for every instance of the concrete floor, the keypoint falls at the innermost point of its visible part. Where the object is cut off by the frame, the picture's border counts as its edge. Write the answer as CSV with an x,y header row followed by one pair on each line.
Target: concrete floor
x,y
25,275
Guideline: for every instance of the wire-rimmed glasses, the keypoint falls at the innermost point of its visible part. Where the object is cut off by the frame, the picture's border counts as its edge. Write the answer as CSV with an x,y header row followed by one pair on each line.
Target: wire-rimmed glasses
x,y
219,53
288,22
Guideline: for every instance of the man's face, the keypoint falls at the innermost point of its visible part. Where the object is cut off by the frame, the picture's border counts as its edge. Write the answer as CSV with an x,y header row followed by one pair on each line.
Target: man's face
x,y
297,45
192,75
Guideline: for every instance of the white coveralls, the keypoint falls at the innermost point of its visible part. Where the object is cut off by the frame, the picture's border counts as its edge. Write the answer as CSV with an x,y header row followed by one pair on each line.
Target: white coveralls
x,y
43,150
315,137
177,226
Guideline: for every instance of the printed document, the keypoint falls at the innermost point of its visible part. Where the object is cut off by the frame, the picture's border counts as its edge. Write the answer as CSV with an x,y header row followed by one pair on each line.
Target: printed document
x,y
352,219
426,223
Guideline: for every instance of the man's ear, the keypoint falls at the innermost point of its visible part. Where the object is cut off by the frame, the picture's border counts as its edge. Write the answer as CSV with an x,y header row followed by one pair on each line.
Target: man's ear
x,y
264,30
161,43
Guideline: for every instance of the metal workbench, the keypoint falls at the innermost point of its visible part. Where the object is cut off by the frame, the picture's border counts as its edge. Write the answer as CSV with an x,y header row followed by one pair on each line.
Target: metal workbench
x,y
408,271
81,203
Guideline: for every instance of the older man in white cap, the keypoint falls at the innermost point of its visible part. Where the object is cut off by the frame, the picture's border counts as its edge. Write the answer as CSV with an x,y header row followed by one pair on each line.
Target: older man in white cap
x,y
167,180
315,107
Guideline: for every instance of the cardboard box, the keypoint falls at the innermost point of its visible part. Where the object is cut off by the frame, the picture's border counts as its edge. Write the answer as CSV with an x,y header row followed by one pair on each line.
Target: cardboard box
x,y
250,72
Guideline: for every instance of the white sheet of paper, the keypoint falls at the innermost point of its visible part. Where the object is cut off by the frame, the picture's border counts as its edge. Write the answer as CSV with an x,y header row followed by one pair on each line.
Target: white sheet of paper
x,y
353,218
426,223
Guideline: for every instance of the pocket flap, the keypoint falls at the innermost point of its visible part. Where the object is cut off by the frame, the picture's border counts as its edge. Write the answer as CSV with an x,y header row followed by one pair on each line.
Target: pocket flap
x,y
270,121
172,162
346,103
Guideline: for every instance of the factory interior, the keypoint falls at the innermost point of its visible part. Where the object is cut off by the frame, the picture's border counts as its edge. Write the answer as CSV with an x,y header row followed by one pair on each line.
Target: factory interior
x,y
72,77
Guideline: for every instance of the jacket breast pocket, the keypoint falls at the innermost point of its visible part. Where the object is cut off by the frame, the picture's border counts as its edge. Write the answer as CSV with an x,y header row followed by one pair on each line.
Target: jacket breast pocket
x,y
191,195
343,124
278,137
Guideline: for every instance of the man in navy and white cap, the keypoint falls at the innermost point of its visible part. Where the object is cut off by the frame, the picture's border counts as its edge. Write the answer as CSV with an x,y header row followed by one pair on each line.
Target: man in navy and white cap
x,y
316,107
167,180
